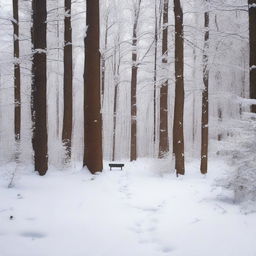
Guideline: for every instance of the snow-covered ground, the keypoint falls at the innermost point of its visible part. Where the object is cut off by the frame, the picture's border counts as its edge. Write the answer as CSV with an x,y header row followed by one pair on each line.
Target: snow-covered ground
x,y
139,211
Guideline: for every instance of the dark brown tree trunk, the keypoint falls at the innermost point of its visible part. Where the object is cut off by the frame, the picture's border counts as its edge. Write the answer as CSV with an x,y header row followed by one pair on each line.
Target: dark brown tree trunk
x,y
133,147
16,53
92,91
178,133
205,100
39,82
68,82
164,138
252,39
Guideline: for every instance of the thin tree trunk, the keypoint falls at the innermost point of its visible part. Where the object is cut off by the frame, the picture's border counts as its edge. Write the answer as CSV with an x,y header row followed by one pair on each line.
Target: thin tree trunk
x,y
57,79
68,82
219,120
195,57
252,36
116,69
155,75
218,79
205,99
178,133
164,138
16,54
39,82
114,122
92,91
103,62
133,147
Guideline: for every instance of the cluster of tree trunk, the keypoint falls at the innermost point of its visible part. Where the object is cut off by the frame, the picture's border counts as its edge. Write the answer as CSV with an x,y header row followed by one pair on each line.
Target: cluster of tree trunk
x,y
94,83
92,106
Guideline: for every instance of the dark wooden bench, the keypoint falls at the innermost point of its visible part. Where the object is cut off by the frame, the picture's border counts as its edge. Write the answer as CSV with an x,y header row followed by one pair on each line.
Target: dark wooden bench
x,y
116,166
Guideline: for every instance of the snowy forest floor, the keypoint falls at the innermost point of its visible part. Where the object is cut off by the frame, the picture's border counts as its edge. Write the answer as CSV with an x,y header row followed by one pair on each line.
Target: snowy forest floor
x,y
135,212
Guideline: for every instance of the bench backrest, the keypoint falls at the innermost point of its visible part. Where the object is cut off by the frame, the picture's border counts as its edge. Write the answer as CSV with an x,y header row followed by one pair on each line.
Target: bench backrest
x,y
116,165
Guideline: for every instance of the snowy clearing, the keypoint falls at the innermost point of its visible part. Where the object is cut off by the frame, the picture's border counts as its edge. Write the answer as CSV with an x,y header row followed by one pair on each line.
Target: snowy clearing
x,y
137,211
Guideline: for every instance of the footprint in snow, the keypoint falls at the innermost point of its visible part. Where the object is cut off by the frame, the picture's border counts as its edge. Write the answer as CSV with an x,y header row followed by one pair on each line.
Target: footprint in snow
x,y
196,220
19,196
167,249
30,218
32,234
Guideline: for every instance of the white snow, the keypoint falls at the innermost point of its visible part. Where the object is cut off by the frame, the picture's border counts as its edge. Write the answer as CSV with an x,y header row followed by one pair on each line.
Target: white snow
x,y
142,210
252,5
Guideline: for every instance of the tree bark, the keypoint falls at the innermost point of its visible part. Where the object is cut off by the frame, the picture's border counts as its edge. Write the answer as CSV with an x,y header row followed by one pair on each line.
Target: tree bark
x,y
178,133
92,91
39,87
205,99
16,54
68,82
252,39
164,138
133,147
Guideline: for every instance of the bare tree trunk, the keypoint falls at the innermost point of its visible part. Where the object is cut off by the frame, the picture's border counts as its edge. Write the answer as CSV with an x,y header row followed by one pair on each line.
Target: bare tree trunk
x,y
68,82
116,68
155,73
218,79
16,54
195,82
133,149
252,36
57,82
114,122
178,133
164,138
17,96
103,60
205,99
92,91
39,82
